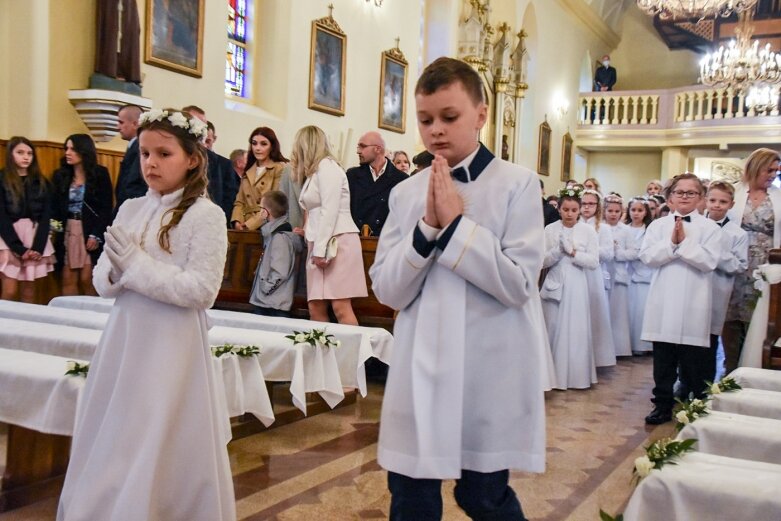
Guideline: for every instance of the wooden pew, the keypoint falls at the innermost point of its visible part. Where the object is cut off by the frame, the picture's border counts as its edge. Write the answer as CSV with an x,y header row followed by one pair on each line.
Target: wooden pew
x,y
771,355
245,249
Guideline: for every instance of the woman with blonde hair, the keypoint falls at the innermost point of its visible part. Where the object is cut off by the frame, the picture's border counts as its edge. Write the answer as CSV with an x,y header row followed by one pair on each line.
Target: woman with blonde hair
x,y
758,211
334,267
592,184
654,187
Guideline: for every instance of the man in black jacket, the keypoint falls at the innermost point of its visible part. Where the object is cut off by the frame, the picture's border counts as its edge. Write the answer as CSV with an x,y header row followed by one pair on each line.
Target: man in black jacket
x,y
223,184
605,77
371,183
130,183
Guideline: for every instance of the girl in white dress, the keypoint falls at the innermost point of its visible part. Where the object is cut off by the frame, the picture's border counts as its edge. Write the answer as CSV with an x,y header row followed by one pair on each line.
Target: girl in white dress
x,y
599,281
152,427
618,294
638,218
571,251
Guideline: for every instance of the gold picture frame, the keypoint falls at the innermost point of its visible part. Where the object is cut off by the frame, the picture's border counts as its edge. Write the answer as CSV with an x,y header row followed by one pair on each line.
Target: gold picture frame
x,y
327,66
173,34
543,152
392,113
566,157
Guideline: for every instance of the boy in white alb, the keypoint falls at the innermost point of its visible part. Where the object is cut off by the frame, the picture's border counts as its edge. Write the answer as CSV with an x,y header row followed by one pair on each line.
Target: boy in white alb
x,y
733,260
683,249
459,257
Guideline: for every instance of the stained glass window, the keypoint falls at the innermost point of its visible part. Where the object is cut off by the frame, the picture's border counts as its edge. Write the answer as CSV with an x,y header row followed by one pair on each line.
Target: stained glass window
x,y
237,58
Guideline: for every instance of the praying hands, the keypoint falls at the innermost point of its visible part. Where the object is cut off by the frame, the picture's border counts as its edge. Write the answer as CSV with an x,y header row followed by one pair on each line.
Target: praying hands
x,y
443,202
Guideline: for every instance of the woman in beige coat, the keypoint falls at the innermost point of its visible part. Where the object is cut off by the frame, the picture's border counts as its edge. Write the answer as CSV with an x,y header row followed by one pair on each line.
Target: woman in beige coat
x,y
262,174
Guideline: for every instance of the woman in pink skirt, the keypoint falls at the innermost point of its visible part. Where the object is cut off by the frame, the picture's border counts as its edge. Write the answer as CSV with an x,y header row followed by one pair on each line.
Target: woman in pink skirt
x,y
83,201
334,269
26,252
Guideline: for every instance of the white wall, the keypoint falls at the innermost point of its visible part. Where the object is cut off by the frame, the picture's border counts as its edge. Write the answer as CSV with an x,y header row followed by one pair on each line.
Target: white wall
x,y
624,172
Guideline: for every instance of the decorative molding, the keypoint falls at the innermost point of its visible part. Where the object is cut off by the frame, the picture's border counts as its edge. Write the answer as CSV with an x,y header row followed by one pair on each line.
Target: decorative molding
x,y
593,21
329,23
98,109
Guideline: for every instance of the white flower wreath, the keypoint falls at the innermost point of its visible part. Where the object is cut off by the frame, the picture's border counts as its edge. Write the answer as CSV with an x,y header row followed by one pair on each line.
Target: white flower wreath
x,y
194,126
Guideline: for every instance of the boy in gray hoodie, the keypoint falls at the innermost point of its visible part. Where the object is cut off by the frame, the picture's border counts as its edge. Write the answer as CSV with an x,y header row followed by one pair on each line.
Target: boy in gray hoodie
x,y
275,277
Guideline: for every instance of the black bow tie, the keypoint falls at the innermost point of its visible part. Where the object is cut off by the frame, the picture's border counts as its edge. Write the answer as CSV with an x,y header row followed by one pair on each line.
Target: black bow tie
x,y
460,174
688,218
725,221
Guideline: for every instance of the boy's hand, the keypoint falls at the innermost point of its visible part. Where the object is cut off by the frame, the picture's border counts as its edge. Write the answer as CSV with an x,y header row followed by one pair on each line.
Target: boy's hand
x,y
678,234
431,212
447,201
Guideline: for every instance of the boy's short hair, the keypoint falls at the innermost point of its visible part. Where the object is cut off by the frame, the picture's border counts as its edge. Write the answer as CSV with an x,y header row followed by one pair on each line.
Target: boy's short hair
x,y
276,203
686,176
724,187
443,72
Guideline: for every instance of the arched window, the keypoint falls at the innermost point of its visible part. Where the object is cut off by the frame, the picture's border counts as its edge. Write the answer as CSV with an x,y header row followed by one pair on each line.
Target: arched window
x,y
237,57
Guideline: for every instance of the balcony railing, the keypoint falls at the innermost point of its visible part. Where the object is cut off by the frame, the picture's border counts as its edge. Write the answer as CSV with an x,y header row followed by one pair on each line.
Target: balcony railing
x,y
666,109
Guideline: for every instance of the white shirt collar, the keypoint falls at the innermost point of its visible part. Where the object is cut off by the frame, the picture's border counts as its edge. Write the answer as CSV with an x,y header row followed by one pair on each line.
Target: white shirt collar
x,y
468,161
376,175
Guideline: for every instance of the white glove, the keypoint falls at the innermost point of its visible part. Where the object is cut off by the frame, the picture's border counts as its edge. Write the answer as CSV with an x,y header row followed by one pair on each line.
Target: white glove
x,y
120,249
565,244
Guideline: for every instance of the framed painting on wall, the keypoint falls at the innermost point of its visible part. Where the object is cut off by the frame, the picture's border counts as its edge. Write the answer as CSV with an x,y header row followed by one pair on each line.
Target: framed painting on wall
x,y
327,66
566,157
543,157
393,91
174,35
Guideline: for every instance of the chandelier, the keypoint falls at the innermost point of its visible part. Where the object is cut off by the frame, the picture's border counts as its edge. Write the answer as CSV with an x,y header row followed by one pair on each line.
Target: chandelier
x,y
762,98
675,9
742,63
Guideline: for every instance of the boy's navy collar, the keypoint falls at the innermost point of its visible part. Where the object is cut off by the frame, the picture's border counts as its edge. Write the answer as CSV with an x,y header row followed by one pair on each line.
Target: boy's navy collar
x,y
481,160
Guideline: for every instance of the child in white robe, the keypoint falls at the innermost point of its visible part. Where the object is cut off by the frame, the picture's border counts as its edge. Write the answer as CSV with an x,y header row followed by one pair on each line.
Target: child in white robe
x,y
683,249
464,397
618,294
571,251
733,260
151,432
599,281
638,217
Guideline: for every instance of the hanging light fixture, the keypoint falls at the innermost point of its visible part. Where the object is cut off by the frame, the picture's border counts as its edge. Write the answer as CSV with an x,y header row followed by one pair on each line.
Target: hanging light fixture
x,y
762,98
742,63
687,9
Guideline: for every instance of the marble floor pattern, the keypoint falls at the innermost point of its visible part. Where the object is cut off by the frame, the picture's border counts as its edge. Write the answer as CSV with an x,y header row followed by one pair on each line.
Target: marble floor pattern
x,y
325,467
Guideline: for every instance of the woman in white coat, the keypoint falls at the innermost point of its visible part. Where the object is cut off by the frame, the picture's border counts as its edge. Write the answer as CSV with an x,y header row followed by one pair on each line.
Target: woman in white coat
x,y
571,252
334,268
758,211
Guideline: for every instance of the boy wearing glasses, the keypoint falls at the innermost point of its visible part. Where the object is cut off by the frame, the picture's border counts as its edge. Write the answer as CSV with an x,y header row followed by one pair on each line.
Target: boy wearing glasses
x,y
683,249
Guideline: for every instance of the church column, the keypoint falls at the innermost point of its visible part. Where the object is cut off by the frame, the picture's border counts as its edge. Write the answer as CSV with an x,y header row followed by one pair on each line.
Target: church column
x,y
675,161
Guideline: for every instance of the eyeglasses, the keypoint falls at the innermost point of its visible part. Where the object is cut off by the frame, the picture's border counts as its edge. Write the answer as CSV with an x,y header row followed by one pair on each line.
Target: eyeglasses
x,y
361,146
685,195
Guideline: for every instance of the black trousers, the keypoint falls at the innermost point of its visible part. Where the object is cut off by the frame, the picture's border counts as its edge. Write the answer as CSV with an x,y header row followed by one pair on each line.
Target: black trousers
x,y
695,364
483,496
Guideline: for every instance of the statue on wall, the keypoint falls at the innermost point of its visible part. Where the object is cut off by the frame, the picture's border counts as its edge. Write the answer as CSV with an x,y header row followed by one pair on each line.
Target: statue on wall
x,y
117,49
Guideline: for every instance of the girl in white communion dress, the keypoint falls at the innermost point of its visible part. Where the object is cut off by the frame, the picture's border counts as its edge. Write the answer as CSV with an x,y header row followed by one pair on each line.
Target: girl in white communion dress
x,y
151,427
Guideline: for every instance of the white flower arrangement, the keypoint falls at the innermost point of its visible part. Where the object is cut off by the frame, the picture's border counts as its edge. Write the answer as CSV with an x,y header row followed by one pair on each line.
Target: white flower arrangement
x,y
314,337
74,368
725,385
194,126
690,411
661,452
55,225
243,351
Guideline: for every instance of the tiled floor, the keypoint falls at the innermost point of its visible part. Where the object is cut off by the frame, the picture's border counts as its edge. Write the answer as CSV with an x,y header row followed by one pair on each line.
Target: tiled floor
x,y
325,467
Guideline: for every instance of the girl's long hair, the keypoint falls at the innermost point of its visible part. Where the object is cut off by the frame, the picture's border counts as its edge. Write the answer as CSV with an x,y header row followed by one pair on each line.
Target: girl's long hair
x,y
195,180
275,154
647,219
11,178
85,147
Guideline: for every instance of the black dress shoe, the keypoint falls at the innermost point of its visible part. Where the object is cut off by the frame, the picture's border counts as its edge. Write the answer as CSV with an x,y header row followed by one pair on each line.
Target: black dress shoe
x,y
659,416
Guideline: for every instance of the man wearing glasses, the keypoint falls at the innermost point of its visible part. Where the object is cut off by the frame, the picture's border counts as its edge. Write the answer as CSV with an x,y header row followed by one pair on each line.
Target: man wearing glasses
x,y
371,183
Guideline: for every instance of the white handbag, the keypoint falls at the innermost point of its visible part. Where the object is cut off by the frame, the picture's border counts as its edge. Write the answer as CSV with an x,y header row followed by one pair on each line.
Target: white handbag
x,y
331,248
